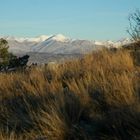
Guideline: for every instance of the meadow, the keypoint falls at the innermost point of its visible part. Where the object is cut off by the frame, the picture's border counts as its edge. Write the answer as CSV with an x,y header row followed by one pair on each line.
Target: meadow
x,y
93,97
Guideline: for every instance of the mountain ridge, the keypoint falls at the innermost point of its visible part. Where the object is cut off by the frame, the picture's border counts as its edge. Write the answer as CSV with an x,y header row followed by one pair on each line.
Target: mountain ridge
x,y
56,45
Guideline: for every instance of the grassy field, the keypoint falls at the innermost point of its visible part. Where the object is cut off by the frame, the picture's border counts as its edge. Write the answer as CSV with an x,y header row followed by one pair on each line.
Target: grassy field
x,y
96,97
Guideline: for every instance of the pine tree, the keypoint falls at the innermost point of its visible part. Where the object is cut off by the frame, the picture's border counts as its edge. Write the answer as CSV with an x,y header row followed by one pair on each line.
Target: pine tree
x,y
4,54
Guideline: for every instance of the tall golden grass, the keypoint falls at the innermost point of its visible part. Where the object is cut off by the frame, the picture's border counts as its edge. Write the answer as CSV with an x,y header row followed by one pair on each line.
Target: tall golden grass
x,y
94,97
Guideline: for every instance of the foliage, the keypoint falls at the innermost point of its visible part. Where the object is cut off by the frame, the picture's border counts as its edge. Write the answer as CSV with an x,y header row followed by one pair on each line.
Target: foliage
x,y
8,60
4,55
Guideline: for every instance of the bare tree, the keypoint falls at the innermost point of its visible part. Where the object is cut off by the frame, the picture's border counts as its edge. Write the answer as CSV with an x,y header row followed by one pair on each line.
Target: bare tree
x,y
134,25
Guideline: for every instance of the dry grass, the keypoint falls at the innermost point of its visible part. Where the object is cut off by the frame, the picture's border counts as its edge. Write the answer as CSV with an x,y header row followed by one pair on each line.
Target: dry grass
x,y
96,97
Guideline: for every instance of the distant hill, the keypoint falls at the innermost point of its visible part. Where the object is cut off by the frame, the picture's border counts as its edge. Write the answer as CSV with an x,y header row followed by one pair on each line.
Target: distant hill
x,y
55,46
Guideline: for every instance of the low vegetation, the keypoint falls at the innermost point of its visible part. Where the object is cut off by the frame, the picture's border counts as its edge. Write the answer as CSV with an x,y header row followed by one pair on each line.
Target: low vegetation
x,y
94,97
10,62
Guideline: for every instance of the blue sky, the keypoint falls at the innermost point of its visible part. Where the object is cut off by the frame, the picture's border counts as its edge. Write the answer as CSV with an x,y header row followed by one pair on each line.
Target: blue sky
x,y
84,19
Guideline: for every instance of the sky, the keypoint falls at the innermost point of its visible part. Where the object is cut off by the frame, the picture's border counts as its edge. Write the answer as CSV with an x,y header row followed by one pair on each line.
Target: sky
x,y
80,19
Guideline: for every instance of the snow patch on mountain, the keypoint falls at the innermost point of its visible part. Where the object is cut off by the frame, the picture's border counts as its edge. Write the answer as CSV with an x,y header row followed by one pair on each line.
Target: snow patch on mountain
x,y
60,38
58,44
41,38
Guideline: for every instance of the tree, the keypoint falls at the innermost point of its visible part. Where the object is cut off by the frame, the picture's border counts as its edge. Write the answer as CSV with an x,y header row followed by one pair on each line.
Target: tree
x,y
4,54
134,25
8,61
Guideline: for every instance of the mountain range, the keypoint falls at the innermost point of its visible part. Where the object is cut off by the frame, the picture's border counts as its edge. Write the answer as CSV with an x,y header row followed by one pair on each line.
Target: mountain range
x,y
45,48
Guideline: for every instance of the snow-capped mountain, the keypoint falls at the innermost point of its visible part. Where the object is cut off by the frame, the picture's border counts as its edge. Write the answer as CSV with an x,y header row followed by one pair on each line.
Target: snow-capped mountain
x,y
115,44
38,39
56,45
